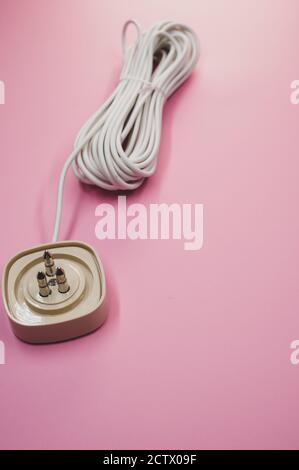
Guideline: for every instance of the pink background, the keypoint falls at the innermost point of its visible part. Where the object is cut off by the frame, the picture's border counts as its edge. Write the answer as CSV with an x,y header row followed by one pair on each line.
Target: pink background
x,y
196,351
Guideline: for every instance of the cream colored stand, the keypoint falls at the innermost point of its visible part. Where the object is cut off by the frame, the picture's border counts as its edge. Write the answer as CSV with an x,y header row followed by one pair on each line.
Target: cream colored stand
x,y
58,317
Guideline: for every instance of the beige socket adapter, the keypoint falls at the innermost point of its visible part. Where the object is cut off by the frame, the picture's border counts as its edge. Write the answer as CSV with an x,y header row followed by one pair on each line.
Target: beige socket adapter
x,y
66,302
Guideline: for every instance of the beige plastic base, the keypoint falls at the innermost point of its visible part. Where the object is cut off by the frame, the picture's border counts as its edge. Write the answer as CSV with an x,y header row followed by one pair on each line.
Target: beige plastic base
x,y
58,317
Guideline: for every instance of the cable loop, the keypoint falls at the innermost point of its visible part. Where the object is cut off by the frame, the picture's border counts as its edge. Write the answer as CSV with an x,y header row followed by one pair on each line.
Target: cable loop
x,y
124,32
117,147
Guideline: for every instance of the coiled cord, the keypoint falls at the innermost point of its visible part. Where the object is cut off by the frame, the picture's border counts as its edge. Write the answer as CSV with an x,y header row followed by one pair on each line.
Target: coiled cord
x,y
117,147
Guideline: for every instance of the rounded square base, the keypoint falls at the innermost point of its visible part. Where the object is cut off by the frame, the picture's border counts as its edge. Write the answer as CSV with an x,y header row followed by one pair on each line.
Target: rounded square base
x,y
58,317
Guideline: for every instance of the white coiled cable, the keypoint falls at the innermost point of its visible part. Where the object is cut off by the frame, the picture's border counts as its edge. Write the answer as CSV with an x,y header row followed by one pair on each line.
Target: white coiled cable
x,y
117,147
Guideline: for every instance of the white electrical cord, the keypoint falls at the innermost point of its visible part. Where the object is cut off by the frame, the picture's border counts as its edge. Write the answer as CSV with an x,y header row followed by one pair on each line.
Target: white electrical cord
x,y
117,147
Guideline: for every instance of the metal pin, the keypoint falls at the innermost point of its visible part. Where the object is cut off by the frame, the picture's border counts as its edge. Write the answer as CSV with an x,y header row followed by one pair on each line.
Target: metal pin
x,y
49,263
44,289
62,283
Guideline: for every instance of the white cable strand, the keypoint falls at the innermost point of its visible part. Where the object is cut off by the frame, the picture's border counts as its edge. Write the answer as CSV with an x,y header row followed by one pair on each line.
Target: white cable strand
x,y
117,147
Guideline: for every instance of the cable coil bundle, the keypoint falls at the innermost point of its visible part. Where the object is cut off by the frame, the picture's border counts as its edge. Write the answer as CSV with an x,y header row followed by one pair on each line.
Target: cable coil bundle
x,y
117,147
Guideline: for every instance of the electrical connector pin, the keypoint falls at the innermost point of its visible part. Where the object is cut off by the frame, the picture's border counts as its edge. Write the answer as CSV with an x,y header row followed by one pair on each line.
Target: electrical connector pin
x,y
62,283
44,289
